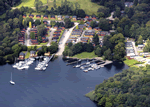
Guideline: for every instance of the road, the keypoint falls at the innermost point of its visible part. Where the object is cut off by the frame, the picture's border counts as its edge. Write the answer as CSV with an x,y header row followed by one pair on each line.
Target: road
x,y
64,40
28,40
111,17
50,37
135,50
79,38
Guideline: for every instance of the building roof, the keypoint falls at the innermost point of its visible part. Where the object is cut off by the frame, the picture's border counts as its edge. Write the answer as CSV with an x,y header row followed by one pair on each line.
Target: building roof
x,y
32,52
45,16
67,17
52,16
74,16
38,15
22,54
59,16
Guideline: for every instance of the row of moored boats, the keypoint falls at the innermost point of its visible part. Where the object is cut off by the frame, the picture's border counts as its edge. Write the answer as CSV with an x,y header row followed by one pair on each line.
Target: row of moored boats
x,y
23,64
42,65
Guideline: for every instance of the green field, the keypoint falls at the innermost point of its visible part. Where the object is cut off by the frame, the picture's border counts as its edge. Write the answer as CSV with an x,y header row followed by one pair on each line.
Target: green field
x,y
86,5
131,62
29,3
85,55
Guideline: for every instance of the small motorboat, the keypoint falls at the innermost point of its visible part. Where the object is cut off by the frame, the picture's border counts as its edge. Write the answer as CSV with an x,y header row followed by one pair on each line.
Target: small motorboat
x,y
44,68
85,70
87,63
46,65
11,82
77,66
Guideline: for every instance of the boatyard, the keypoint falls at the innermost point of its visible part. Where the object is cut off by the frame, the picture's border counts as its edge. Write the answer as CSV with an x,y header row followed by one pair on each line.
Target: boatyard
x,y
40,66
90,65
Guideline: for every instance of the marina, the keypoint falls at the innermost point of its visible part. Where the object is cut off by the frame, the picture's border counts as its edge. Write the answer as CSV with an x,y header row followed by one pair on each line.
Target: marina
x,y
90,65
25,64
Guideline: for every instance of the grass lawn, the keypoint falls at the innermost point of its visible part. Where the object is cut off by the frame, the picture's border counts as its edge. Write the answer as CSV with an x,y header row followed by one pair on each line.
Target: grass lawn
x,y
43,43
85,55
29,3
27,55
33,46
131,62
86,5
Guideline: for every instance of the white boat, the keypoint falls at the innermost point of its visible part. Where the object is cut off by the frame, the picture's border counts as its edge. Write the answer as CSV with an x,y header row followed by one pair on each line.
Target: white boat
x,y
11,82
20,68
85,70
79,59
37,57
82,67
77,66
46,65
44,68
87,63
32,59
26,66
15,66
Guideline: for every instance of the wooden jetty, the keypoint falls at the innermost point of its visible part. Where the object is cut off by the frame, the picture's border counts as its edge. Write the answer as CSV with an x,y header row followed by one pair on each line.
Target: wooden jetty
x,y
106,63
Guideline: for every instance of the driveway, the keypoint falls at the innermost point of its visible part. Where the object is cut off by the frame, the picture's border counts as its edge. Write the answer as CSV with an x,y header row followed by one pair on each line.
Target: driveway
x,y
50,37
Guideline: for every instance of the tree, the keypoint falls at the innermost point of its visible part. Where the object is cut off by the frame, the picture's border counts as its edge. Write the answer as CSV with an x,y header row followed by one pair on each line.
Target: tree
x,y
147,46
117,38
37,22
135,2
30,25
32,35
104,24
93,24
70,44
54,4
68,23
133,29
124,21
108,54
81,21
96,39
119,51
39,39
148,24
126,31
140,40
38,4
98,52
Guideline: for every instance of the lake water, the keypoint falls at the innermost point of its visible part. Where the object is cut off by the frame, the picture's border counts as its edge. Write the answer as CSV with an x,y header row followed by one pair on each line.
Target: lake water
x,y
58,86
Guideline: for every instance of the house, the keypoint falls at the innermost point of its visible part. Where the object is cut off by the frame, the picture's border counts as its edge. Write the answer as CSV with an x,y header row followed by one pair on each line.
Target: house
x,y
89,33
56,35
44,40
89,19
21,41
34,41
59,29
45,17
84,39
128,4
47,29
81,26
49,26
31,15
89,28
67,17
72,37
77,34
33,26
23,32
88,23
55,38
57,32
68,41
38,16
141,46
87,16
52,16
56,27
59,17
21,56
63,27
93,17
35,31
103,33
45,22
74,18
24,16
97,29
47,54
32,53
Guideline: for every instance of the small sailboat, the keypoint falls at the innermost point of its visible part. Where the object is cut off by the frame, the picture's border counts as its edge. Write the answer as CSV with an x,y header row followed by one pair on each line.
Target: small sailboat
x,y
11,82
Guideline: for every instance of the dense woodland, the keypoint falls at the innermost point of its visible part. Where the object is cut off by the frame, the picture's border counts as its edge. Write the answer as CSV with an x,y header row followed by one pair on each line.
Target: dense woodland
x,y
127,89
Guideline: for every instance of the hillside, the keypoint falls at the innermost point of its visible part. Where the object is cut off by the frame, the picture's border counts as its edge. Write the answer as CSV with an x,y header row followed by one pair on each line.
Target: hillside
x,y
86,5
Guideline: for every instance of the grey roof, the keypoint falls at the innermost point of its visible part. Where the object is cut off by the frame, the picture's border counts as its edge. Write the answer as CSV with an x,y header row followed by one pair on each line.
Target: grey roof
x,y
59,16
40,48
66,16
22,54
32,52
74,16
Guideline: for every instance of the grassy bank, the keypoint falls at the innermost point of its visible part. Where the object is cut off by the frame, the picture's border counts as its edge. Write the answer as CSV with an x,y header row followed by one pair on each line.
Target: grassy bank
x,y
27,55
85,55
131,62
90,95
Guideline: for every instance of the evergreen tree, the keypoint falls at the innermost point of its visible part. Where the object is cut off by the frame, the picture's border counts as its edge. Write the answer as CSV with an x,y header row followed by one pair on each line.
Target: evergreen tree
x,y
96,39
